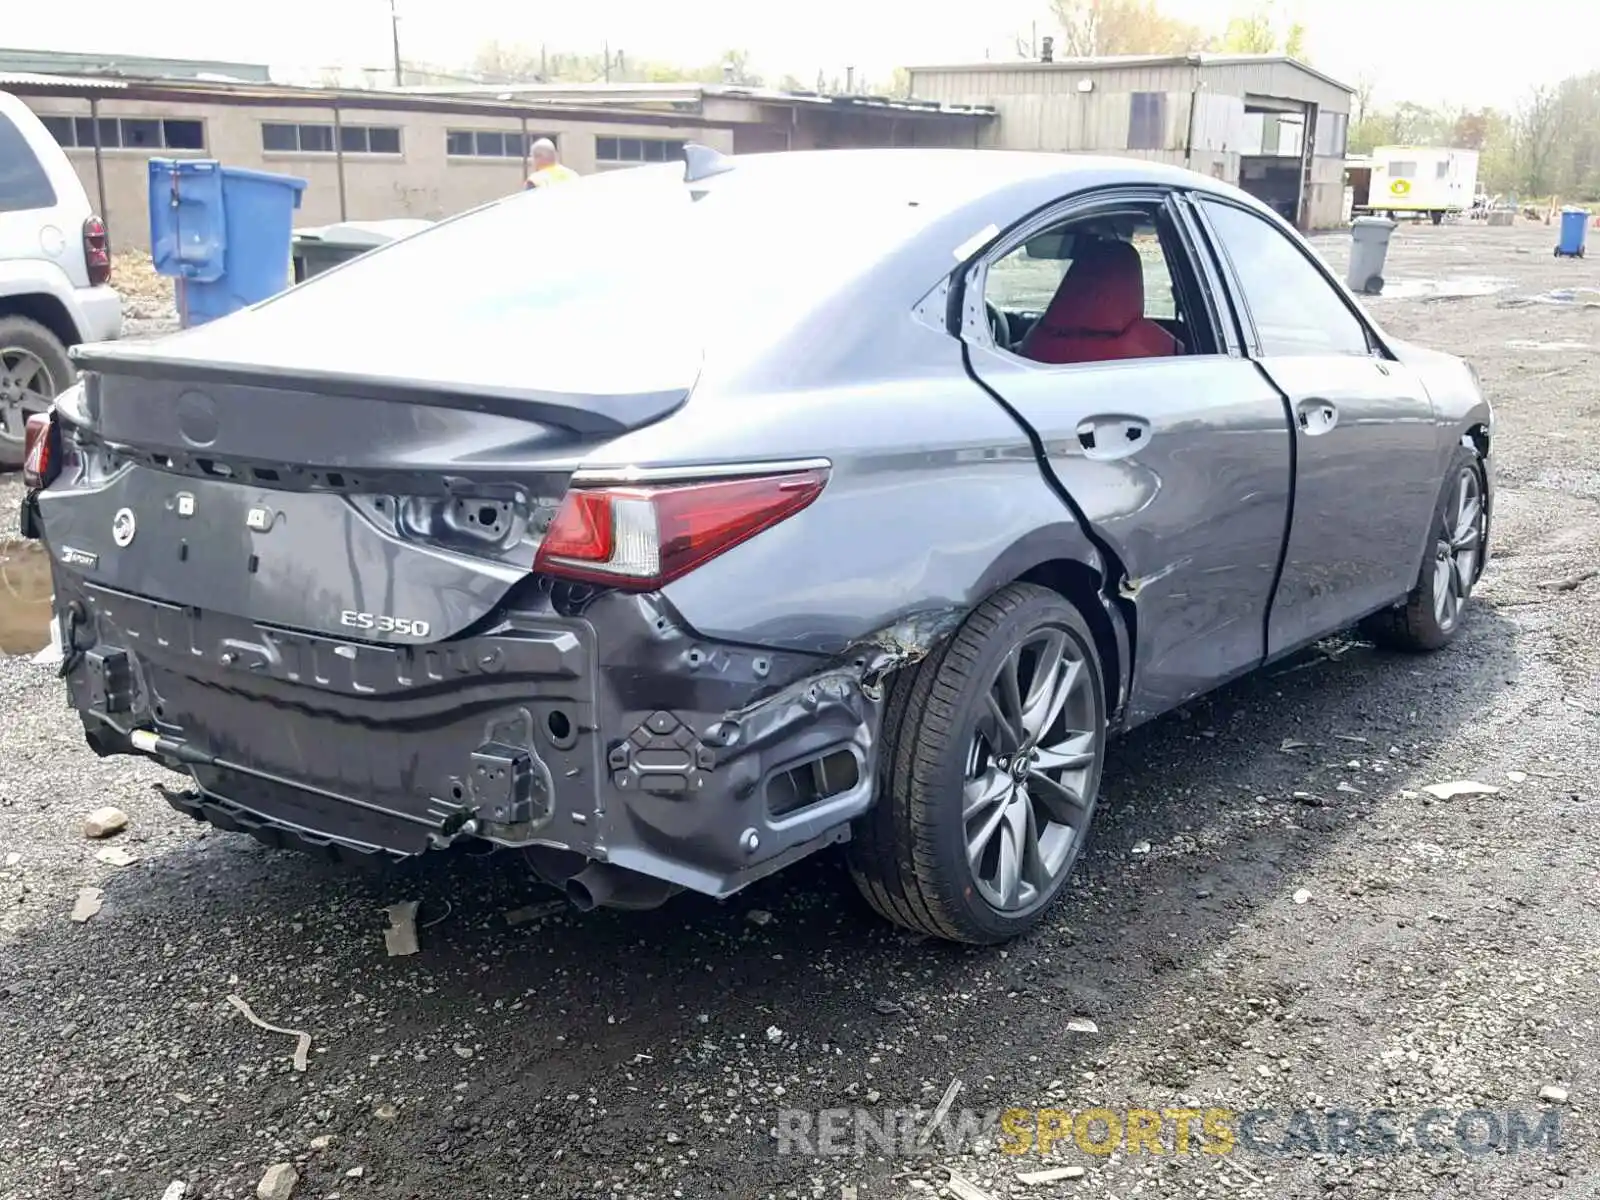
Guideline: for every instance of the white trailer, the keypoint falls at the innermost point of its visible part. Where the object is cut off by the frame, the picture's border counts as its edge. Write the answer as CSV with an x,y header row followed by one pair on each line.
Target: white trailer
x,y
1429,180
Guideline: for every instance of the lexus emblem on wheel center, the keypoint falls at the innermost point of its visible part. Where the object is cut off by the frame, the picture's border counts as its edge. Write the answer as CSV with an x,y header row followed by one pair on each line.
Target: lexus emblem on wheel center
x,y
123,526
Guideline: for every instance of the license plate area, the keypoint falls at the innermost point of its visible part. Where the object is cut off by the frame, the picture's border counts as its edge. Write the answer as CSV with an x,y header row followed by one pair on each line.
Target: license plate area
x,y
296,560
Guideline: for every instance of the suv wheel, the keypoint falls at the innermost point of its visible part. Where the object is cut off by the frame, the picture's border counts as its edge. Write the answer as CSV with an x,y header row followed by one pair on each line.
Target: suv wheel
x,y
988,773
34,368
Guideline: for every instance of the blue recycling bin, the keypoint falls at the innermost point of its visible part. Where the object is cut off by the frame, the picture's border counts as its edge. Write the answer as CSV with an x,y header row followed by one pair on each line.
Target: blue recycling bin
x,y
1574,232
223,233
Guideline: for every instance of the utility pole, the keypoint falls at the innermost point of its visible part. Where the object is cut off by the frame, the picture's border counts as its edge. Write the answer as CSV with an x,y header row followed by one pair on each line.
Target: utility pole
x,y
608,60
394,32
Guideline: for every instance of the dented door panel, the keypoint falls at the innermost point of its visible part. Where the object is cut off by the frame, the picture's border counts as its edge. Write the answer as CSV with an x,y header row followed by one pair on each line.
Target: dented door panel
x,y
1194,510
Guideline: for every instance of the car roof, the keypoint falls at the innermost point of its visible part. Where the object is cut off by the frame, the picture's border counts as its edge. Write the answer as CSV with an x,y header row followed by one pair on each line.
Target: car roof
x,y
984,171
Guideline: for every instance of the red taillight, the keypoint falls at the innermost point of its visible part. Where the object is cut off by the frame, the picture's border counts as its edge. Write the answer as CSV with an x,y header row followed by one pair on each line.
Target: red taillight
x,y
639,538
41,460
97,251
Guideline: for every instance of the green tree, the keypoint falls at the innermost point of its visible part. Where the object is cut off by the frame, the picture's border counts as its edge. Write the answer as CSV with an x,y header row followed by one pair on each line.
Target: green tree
x,y
1294,42
1250,34
1260,31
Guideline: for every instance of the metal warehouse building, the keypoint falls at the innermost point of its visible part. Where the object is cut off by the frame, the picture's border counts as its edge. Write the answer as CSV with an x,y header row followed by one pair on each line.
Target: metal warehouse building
x,y
1242,118
370,153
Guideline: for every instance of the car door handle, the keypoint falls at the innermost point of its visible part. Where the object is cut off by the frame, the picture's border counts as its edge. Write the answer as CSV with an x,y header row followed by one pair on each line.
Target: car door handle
x,y
1316,416
1112,436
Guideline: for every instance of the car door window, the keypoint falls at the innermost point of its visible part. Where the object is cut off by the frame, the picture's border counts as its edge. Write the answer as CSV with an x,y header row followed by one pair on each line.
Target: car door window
x,y
1296,311
23,184
1094,288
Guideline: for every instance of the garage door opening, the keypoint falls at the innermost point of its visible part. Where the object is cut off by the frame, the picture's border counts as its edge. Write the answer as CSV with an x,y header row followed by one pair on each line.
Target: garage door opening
x,y
1271,159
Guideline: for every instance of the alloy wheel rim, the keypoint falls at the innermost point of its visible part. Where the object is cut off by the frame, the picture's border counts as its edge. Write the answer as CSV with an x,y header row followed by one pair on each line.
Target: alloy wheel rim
x,y
1457,550
1031,771
26,387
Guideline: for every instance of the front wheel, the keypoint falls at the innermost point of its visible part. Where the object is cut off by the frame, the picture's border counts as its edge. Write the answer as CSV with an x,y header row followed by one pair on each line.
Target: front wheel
x,y
1432,614
988,773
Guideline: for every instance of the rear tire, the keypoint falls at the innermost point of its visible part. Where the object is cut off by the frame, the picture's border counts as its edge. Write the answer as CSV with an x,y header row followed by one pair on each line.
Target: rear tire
x,y
1431,615
34,370
964,843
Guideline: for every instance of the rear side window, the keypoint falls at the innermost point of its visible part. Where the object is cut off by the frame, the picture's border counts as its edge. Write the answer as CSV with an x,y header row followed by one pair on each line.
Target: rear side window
x,y
23,183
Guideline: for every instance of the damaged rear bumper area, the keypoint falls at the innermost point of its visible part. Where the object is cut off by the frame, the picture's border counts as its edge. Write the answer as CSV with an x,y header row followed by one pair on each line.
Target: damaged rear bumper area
x,y
614,737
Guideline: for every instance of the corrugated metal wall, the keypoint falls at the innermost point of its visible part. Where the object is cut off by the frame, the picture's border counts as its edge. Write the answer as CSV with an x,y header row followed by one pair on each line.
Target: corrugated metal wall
x,y
1042,108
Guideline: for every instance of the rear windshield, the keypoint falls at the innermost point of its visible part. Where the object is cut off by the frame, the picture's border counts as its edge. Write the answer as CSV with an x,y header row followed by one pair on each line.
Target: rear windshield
x,y
635,246
23,183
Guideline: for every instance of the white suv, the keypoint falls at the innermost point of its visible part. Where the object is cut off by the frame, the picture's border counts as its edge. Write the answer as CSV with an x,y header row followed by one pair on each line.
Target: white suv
x,y
55,268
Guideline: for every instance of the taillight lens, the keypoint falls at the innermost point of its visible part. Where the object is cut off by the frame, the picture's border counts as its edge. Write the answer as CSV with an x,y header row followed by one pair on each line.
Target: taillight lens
x,y
97,251
41,460
639,538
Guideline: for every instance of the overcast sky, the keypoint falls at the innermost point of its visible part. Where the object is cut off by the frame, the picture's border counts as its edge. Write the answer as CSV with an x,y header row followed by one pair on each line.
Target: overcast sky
x,y
1463,51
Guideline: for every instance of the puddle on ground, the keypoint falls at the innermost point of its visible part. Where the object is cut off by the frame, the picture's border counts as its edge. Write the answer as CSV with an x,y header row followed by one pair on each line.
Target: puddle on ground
x,y
1582,297
24,596
1459,288
1523,344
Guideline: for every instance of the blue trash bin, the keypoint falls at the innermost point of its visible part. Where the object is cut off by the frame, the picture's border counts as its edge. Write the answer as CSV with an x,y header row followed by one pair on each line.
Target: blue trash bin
x,y
1574,231
222,232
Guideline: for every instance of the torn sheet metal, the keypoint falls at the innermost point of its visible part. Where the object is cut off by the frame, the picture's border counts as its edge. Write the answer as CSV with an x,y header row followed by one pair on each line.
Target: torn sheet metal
x,y
907,641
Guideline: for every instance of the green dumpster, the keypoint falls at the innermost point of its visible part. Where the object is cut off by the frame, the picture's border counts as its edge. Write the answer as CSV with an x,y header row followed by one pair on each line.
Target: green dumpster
x,y
315,250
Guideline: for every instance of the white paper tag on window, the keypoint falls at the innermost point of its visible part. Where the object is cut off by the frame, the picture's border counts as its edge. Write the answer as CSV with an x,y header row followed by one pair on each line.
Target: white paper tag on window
x,y
969,247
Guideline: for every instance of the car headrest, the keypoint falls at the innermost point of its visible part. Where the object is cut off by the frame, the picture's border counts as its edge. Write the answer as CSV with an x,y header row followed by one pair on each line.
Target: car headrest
x,y
1102,292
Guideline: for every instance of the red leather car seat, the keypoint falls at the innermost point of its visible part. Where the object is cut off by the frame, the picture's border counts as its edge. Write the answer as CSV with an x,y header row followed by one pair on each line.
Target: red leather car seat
x,y
1097,313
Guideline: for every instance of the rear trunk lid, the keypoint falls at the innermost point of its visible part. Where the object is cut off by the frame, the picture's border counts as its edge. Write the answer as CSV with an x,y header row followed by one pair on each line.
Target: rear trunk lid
x,y
364,506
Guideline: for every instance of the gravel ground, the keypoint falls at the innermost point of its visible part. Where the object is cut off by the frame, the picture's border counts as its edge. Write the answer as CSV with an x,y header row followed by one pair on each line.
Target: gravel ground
x,y
1273,914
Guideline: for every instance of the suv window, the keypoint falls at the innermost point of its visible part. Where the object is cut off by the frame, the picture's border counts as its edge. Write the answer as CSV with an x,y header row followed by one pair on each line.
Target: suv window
x,y
23,183
1294,307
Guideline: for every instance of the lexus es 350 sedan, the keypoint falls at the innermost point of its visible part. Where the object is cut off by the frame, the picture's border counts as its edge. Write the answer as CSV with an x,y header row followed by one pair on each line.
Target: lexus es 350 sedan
x,y
671,526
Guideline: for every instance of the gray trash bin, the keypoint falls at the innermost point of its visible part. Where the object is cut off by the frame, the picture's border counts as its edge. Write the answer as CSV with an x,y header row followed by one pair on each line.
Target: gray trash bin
x,y
1369,246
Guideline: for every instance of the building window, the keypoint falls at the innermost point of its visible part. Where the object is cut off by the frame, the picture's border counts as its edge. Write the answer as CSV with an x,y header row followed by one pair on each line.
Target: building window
x,y
127,133
1333,130
319,139
630,150
490,143
1147,121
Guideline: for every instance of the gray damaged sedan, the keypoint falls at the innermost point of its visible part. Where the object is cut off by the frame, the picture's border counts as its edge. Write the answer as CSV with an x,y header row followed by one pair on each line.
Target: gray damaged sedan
x,y
677,524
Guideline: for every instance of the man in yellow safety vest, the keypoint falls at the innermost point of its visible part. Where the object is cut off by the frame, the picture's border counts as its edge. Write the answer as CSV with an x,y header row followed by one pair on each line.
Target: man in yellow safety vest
x,y
547,168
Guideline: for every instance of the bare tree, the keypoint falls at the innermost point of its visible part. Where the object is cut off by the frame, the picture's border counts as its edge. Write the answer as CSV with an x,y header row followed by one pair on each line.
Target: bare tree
x,y
1534,134
1363,99
1091,28
497,62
